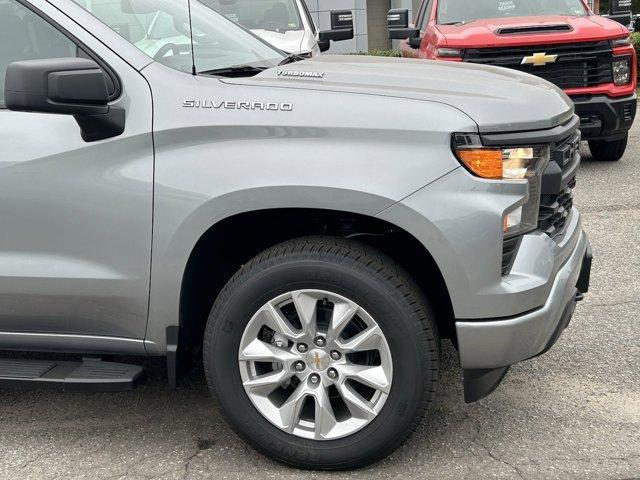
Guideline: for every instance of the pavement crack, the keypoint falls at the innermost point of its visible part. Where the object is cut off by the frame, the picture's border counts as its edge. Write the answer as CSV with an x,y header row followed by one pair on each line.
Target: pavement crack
x,y
28,462
608,208
187,463
488,451
203,444
613,304
626,458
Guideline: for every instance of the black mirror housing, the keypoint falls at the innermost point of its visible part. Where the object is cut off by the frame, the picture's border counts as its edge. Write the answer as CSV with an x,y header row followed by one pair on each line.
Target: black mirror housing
x,y
399,29
621,18
68,86
59,85
341,29
342,20
398,18
404,33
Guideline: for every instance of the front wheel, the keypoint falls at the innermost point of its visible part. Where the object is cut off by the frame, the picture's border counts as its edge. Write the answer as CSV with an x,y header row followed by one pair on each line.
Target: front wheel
x,y
322,353
608,151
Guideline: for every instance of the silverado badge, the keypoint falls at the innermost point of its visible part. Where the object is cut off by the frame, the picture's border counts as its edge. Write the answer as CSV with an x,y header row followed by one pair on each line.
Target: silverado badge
x,y
539,59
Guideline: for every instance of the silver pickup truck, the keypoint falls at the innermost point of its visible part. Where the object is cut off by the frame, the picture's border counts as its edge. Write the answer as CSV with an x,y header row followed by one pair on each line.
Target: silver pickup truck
x,y
310,230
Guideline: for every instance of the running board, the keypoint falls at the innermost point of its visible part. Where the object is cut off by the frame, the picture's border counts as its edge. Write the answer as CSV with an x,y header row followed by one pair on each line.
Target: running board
x,y
89,375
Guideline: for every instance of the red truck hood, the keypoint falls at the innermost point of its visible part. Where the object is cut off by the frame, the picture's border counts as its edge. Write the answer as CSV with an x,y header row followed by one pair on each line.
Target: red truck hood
x,y
482,33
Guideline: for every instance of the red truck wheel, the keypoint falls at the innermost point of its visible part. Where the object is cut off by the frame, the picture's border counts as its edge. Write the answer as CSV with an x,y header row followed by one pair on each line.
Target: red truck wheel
x,y
605,151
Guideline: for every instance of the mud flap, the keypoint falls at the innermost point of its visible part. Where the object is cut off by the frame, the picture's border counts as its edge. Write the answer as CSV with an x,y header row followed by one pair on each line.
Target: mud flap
x,y
480,383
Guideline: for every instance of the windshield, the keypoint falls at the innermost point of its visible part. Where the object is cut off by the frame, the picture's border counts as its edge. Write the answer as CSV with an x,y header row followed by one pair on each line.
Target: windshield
x,y
274,15
161,29
463,11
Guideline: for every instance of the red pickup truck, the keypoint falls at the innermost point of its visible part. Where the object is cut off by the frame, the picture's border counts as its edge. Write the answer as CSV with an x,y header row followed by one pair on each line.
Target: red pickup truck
x,y
562,41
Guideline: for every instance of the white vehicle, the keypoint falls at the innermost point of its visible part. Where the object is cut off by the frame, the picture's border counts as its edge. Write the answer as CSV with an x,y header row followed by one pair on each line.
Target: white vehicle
x,y
285,24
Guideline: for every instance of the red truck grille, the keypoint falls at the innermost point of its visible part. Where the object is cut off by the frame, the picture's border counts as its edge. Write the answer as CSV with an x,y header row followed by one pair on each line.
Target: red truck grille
x,y
578,65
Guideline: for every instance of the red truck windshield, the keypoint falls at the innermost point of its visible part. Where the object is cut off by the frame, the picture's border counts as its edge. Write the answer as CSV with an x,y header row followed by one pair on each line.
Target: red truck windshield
x,y
463,11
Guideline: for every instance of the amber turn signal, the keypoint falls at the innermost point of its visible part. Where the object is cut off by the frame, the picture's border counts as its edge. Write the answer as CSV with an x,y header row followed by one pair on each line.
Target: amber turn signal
x,y
483,162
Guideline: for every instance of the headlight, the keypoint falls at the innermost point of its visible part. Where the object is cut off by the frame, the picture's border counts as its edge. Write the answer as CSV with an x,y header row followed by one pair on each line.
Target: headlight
x,y
509,164
449,52
499,163
621,42
621,71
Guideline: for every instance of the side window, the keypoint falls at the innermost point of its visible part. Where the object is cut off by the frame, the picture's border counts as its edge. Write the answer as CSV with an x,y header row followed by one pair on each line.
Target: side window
x,y
26,36
424,15
416,20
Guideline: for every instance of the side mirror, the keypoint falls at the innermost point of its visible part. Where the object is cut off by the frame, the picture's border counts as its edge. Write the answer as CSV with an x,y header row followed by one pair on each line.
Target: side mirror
x,y
341,29
622,18
399,29
68,86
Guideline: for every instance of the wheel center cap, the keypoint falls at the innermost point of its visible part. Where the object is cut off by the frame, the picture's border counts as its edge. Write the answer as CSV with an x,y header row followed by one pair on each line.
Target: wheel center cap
x,y
318,360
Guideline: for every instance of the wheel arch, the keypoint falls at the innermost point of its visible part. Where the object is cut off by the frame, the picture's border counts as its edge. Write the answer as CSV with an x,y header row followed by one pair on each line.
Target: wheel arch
x,y
223,248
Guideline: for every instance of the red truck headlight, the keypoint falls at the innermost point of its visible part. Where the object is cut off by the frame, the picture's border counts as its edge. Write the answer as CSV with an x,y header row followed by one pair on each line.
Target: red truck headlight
x,y
449,52
621,71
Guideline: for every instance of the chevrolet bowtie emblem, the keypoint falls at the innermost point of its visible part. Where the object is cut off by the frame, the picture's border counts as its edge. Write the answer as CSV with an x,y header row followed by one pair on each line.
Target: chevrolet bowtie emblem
x,y
539,59
317,361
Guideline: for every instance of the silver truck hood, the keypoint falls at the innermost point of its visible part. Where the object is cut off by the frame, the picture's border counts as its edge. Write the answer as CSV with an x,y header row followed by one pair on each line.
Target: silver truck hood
x,y
497,99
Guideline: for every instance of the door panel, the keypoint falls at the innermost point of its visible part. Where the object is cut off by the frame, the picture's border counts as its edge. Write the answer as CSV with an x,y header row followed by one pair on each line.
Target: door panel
x,y
75,217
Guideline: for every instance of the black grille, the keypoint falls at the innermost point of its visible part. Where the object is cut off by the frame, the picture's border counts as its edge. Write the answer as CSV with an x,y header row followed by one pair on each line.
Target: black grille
x,y
555,207
554,210
577,65
629,111
509,250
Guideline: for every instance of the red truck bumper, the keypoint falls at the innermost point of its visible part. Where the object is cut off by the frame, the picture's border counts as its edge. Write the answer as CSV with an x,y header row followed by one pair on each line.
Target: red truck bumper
x,y
605,118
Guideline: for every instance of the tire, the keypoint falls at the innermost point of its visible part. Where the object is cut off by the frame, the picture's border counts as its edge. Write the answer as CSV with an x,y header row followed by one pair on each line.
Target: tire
x,y
608,151
383,290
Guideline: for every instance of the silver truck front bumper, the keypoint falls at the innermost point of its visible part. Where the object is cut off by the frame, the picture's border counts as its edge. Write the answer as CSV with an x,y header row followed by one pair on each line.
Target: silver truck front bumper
x,y
491,344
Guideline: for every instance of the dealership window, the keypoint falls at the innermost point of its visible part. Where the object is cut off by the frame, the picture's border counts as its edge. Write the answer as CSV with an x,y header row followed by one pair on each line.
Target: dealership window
x,y
31,38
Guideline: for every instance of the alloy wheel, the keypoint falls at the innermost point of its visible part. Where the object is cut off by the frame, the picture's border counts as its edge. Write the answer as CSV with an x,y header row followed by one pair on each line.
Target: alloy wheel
x,y
315,364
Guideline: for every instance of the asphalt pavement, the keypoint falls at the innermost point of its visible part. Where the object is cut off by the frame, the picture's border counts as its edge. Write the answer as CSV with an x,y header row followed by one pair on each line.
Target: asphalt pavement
x,y
573,413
